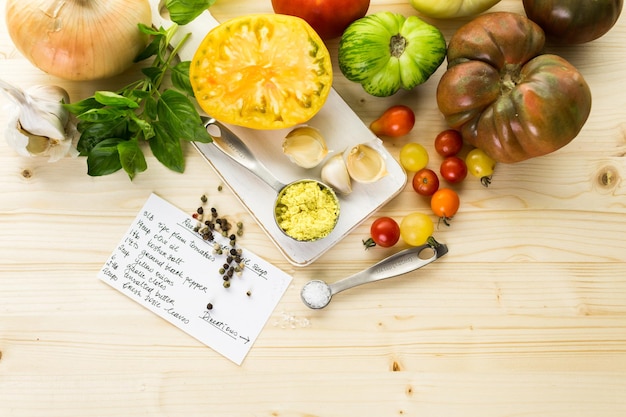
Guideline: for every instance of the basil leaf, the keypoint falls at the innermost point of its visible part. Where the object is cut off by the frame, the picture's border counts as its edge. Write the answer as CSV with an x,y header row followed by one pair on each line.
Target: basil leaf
x,y
100,115
179,115
94,133
166,148
149,108
109,98
150,50
104,158
131,157
82,106
153,73
180,77
184,11
149,30
141,125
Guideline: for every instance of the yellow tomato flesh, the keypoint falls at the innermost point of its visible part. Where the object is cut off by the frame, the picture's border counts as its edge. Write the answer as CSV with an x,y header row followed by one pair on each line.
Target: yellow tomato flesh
x,y
265,71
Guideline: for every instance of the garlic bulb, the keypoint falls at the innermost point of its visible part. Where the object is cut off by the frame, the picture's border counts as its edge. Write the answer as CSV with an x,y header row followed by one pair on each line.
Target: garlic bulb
x,y
79,39
365,164
335,173
38,122
305,146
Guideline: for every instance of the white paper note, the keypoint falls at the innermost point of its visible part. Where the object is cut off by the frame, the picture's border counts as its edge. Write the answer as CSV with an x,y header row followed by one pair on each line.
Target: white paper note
x,y
166,266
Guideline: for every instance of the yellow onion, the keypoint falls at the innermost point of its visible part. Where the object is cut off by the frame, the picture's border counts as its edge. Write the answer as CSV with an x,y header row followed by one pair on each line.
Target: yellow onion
x,y
79,39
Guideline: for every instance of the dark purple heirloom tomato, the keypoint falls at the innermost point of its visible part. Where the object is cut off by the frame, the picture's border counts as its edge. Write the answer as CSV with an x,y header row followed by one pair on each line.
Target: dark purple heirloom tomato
x,y
505,95
574,21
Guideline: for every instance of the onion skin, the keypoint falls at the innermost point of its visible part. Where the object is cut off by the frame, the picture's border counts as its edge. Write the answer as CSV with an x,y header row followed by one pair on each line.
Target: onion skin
x,y
79,39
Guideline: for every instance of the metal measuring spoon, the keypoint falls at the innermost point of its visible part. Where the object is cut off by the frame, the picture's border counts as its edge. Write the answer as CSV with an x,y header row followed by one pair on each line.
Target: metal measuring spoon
x,y
317,294
232,146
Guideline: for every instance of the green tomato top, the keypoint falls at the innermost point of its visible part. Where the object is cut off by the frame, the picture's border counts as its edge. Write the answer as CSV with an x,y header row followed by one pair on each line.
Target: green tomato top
x,y
387,51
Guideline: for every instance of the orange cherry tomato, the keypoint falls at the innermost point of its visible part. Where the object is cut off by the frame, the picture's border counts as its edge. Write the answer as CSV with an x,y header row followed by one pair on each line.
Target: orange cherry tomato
x,y
395,121
445,204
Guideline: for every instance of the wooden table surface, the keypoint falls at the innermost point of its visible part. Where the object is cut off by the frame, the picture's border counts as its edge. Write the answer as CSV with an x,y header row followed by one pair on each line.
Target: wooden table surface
x,y
526,316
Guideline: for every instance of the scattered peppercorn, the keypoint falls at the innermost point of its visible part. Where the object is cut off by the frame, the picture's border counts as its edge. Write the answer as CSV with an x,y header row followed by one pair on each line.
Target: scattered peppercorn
x,y
215,223
209,306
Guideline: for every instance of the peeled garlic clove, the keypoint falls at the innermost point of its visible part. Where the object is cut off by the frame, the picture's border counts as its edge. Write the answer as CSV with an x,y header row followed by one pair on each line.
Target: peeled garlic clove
x,y
365,164
305,146
335,173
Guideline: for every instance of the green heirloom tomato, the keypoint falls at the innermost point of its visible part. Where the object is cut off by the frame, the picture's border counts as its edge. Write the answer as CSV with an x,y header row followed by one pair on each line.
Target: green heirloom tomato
x,y
504,95
574,21
444,9
386,51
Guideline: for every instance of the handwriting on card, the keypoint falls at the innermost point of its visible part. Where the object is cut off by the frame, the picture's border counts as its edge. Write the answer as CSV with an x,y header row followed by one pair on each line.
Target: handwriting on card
x,y
163,264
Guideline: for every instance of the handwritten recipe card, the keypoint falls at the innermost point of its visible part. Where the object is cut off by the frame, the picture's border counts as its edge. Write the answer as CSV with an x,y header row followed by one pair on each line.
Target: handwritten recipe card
x,y
165,265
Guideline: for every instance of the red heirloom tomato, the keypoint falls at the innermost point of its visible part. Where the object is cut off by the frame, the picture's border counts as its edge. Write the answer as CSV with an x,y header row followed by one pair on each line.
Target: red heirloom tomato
x,y
384,232
395,121
329,18
425,182
504,95
574,21
453,169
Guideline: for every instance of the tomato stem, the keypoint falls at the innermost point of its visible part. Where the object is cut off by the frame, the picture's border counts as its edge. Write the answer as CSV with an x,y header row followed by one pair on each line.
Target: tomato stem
x,y
432,242
510,77
445,220
397,45
369,243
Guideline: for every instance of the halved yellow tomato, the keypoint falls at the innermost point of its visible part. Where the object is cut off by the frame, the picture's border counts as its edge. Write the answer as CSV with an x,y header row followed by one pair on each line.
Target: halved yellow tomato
x,y
262,71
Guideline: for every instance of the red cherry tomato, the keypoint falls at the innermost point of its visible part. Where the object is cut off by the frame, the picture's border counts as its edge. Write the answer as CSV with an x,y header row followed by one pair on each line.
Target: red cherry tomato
x,y
425,182
384,232
395,121
448,143
445,204
453,169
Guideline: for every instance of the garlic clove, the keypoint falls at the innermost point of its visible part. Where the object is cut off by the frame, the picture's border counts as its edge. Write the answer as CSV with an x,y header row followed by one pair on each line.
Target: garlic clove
x,y
305,146
365,164
39,124
335,173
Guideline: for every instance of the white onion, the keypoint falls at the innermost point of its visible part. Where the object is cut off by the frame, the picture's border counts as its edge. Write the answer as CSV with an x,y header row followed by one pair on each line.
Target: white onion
x,y
79,39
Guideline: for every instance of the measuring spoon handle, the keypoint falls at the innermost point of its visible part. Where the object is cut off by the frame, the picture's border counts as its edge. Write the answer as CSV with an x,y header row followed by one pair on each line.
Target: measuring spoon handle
x,y
397,264
232,146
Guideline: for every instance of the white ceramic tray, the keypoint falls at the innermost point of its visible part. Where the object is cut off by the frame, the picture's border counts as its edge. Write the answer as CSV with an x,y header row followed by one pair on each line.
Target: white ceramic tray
x,y
341,128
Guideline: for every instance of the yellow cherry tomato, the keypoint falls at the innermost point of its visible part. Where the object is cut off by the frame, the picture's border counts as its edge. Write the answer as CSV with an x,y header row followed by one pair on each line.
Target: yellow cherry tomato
x,y
416,228
479,164
413,157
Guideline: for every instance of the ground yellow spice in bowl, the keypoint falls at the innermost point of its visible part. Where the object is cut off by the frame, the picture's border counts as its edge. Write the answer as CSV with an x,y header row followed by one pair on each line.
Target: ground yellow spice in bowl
x,y
307,210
